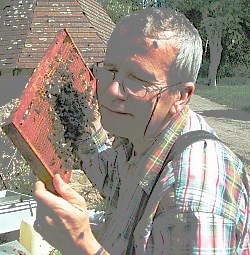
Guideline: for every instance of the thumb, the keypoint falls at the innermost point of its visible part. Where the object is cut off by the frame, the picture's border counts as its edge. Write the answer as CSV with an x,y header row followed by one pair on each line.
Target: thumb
x,y
67,192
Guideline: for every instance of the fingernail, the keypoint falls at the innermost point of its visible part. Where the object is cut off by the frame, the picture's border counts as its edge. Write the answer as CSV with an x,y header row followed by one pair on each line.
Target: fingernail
x,y
59,178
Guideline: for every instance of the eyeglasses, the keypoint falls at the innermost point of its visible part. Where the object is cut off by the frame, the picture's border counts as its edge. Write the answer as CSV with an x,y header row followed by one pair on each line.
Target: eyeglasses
x,y
134,86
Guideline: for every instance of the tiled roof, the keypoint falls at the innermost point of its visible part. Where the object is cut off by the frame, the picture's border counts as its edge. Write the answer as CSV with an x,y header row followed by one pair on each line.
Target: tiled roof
x,y
98,18
27,28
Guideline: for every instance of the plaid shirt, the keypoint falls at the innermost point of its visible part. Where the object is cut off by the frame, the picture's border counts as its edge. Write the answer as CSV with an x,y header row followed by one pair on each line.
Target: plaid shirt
x,y
198,205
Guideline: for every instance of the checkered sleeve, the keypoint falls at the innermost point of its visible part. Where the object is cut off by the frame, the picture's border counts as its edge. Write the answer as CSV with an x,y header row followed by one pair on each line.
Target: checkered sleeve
x,y
91,158
97,142
101,140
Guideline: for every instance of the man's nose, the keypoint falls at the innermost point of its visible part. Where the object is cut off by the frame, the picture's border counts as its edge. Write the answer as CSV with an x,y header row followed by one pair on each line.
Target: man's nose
x,y
116,87
117,90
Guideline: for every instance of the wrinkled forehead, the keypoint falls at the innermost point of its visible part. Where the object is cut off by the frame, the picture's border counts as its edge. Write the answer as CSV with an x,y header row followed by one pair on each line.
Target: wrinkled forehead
x,y
129,40
124,41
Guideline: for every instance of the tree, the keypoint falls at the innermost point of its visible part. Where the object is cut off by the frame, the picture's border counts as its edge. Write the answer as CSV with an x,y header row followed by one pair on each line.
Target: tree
x,y
3,3
117,8
241,50
148,3
218,18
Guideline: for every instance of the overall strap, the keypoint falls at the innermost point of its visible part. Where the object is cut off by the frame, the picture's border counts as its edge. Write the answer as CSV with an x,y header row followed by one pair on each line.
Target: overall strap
x,y
183,141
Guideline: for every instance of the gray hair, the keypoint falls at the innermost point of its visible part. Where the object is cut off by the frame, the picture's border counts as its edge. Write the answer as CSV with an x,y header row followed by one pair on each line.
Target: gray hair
x,y
165,24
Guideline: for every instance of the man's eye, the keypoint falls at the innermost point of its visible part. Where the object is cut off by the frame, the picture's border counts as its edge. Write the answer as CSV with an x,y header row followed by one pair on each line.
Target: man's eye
x,y
113,70
110,67
135,78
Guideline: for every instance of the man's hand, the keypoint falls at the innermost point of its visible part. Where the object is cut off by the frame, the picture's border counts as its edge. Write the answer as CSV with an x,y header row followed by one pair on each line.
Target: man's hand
x,y
63,220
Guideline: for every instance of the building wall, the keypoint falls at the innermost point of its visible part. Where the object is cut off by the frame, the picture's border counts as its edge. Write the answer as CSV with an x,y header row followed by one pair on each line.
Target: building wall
x,y
12,84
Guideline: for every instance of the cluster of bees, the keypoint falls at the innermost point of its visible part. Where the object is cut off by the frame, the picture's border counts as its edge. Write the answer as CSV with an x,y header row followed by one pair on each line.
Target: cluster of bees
x,y
70,111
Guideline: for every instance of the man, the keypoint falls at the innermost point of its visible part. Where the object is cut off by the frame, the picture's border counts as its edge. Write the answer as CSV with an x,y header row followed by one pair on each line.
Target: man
x,y
196,203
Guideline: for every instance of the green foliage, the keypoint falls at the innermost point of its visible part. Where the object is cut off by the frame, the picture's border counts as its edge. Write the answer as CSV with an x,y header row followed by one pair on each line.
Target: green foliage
x,y
225,70
242,70
136,5
55,252
3,4
117,9
230,16
204,68
246,108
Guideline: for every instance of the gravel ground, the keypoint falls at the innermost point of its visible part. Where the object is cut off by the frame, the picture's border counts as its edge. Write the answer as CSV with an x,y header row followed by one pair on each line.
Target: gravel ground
x,y
232,126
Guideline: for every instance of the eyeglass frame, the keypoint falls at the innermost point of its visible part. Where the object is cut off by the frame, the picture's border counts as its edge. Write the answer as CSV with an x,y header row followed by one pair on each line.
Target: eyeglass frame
x,y
148,89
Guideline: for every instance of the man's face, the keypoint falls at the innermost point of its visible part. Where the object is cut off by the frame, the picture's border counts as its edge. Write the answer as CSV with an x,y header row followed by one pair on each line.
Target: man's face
x,y
135,60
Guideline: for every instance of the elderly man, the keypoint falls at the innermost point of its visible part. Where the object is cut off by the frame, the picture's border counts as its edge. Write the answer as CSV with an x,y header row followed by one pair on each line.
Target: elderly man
x,y
193,202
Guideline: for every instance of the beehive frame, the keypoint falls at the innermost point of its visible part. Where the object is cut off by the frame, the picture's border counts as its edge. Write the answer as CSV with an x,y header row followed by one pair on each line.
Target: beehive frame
x,y
54,111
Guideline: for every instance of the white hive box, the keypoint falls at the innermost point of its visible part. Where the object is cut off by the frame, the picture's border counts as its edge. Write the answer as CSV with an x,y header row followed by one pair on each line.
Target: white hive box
x,y
14,207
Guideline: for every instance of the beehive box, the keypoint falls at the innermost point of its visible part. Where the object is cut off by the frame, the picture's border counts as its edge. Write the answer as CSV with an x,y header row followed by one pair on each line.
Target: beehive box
x,y
14,207
54,109
13,248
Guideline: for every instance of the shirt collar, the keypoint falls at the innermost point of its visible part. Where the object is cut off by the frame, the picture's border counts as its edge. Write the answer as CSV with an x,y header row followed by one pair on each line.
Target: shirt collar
x,y
151,163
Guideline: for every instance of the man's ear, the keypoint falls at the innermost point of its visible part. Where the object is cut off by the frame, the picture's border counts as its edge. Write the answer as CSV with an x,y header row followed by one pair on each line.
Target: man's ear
x,y
182,97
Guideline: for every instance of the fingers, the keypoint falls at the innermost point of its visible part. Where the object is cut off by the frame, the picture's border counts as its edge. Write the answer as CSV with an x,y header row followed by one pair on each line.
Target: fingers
x,y
43,195
61,219
39,185
67,193
61,187
40,190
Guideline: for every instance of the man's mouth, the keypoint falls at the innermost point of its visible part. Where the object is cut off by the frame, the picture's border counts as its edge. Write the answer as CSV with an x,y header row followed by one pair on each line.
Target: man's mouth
x,y
116,111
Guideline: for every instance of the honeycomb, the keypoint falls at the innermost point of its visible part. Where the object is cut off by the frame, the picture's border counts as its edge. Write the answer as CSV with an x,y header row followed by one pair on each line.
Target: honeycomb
x,y
55,111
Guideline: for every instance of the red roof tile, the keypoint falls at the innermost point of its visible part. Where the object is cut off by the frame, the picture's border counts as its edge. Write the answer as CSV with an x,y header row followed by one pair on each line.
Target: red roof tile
x,y
29,26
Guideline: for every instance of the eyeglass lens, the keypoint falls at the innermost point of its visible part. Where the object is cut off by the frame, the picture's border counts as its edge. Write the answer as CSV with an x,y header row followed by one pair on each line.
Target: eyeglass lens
x,y
133,87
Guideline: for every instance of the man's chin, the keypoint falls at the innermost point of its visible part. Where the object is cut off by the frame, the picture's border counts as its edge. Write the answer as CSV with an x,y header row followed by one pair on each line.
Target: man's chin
x,y
116,129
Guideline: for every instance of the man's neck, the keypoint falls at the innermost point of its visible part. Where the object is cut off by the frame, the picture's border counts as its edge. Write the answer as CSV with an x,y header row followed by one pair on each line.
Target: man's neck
x,y
141,146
